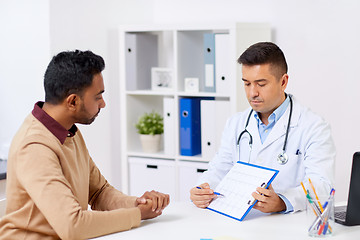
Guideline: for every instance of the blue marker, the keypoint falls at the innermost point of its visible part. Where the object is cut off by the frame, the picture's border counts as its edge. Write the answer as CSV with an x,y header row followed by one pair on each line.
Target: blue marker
x,y
216,193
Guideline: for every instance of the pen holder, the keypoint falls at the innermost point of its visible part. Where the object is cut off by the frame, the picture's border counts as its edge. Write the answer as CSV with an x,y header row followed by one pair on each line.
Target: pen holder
x,y
320,216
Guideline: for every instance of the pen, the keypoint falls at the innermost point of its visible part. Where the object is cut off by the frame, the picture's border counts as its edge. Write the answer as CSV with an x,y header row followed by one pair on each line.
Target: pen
x,y
319,220
313,204
316,196
332,192
322,214
324,225
302,184
323,218
263,185
216,193
219,194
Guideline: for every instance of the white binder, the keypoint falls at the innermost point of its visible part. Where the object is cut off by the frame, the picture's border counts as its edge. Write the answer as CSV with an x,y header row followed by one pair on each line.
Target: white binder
x,y
214,114
209,60
222,63
169,125
141,54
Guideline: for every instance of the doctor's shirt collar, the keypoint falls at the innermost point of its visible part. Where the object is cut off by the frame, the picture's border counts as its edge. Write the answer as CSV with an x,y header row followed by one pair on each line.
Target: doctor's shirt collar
x,y
276,115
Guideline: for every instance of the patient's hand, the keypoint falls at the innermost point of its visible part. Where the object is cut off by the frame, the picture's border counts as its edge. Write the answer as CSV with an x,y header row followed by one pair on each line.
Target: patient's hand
x,y
146,210
157,200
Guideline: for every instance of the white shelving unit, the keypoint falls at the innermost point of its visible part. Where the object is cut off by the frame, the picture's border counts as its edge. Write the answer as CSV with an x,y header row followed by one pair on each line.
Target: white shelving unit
x,y
181,49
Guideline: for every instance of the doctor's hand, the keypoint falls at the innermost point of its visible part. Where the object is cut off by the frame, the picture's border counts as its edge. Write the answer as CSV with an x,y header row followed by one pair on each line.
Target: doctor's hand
x,y
268,200
158,200
202,195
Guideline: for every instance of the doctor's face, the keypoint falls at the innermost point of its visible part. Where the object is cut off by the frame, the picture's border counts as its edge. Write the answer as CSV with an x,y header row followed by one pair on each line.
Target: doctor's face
x,y
264,90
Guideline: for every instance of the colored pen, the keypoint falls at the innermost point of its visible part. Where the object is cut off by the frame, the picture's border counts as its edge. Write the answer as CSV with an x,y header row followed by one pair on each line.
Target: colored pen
x,y
324,227
313,204
325,223
306,195
216,193
332,192
219,194
321,214
316,196
263,185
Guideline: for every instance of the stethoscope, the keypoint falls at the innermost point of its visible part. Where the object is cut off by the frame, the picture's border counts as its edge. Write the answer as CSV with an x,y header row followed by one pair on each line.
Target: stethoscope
x,y
282,158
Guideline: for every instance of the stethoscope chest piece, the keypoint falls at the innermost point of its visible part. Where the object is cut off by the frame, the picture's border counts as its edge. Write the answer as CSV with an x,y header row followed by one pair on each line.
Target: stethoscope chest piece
x,y
282,158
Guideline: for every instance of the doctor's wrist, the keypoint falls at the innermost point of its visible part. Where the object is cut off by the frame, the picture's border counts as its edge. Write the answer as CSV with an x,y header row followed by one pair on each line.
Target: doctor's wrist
x,y
288,206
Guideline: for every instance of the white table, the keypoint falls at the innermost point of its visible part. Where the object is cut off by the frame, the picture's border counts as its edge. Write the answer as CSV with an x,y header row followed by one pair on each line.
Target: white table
x,y
185,221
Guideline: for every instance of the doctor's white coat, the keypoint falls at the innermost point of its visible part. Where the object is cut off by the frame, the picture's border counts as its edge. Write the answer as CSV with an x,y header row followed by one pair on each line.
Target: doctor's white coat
x,y
310,149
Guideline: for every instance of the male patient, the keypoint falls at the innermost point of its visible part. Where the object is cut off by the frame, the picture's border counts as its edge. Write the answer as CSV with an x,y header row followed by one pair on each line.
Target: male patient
x,y
51,177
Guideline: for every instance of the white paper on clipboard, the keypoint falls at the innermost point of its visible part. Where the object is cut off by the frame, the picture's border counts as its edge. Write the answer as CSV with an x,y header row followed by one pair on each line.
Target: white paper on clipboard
x,y
237,187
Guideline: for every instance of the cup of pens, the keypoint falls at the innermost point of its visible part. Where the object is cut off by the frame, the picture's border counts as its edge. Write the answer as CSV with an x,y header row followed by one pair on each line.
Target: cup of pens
x,y
320,212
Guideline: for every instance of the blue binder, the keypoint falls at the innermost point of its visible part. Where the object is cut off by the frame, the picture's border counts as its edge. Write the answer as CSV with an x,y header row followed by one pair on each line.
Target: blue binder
x,y
190,125
190,129
209,62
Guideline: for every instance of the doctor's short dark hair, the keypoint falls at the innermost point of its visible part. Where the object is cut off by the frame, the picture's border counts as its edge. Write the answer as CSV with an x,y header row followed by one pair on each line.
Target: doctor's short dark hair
x,y
265,53
70,72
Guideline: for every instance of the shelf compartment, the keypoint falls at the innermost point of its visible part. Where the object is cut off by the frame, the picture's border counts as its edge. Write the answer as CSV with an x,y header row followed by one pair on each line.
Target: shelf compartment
x,y
144,51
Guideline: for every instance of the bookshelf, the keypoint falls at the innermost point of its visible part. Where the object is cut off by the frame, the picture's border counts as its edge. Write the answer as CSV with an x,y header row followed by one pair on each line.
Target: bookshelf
x,y
180,50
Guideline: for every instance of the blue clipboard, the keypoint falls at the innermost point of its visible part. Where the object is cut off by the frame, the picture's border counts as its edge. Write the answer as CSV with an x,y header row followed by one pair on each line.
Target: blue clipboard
x,y
245,176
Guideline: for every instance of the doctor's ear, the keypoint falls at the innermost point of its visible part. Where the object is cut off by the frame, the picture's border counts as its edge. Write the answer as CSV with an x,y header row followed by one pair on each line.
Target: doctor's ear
x,y
284,80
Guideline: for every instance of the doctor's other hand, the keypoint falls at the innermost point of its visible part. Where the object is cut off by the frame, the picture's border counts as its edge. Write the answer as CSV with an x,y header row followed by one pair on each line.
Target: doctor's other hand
x,y
268,200
202,195
158,200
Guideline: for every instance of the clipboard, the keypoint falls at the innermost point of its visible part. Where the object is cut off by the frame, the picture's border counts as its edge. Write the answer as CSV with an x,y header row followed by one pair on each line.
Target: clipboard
x,y
237,186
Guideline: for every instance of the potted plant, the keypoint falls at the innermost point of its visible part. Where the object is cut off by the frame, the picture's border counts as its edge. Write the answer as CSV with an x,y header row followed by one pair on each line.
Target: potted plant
x,y
150,126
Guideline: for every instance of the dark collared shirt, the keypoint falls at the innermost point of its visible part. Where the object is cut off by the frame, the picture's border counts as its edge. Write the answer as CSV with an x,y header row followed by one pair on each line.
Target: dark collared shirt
x,y
54,127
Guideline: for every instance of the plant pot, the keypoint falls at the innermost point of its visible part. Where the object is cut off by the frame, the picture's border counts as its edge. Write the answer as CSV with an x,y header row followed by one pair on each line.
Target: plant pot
x,y
150,143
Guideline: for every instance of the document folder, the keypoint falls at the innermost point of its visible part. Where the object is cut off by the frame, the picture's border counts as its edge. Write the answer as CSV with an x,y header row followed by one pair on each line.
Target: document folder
x,y
237,187
223,63
190,129
213,118
141,54
169,125
209,61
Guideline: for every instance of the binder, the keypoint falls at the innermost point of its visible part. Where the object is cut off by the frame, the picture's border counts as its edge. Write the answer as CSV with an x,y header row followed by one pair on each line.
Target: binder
x,y
141,54
209,61
190,131
169,125
222,63
213,118
237,186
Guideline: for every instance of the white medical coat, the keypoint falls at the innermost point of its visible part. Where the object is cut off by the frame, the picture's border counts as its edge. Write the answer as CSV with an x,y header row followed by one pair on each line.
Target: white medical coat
x,y
310,149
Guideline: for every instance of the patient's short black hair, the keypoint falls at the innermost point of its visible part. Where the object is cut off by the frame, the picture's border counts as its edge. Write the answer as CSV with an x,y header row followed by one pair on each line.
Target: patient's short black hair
x,y
70,72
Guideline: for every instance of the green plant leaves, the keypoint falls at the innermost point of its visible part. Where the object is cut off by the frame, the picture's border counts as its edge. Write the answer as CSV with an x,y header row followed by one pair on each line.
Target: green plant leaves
x,y
150,123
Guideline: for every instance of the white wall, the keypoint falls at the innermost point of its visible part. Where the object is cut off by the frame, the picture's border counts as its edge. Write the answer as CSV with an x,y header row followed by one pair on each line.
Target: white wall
x,y
24,55
92,24
319,37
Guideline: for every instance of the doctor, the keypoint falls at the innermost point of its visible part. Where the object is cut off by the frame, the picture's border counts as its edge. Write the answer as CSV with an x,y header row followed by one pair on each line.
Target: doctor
x,y
276,132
